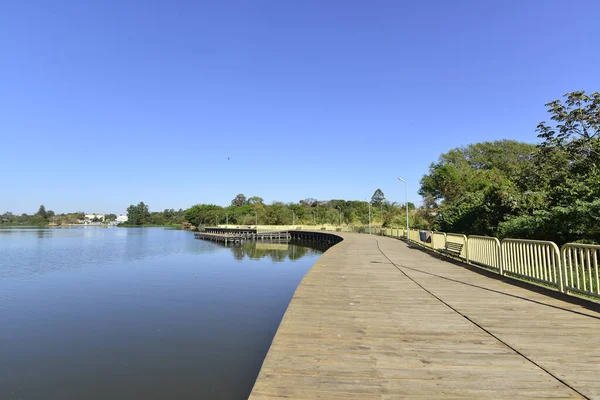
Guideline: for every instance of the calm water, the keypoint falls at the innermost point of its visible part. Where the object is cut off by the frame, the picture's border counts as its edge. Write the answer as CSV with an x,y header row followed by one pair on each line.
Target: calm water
x,y
150,313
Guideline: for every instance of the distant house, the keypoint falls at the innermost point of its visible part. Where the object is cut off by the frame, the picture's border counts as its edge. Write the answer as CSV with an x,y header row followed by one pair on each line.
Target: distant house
x,y
122,218
92,217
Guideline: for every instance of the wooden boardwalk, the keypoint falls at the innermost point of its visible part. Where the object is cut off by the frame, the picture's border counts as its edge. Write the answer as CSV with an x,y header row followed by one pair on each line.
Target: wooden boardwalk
x,y
236,237
375,319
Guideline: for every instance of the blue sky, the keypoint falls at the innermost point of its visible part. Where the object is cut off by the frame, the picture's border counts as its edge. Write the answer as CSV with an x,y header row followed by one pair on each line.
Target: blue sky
x,y
105,104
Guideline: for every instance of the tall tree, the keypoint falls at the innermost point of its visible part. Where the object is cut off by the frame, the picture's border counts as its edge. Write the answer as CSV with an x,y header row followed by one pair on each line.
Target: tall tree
x,y
203,214
577,126
255,200
138,215
42,212
378,198
239,200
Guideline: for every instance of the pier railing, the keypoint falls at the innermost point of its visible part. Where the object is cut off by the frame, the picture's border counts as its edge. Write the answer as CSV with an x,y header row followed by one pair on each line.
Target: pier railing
x,y
580,262
573,269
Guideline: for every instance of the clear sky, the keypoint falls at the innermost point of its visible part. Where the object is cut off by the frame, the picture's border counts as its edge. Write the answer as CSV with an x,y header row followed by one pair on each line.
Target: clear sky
x,y
108,103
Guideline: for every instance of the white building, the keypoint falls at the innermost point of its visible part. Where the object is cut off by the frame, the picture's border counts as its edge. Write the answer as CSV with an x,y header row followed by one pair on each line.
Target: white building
x,y
91,217
122,218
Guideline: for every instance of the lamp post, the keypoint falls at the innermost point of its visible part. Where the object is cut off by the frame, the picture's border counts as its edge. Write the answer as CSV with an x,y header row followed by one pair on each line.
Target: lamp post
x,y
227,219
293,218
314,218
256,215
369,203
216,223
406,194
339,208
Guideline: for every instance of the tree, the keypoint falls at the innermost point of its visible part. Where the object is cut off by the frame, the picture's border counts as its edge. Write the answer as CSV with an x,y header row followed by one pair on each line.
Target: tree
x,y
202,214
239,200
577,128
110,217
42,212
138,215
378,198
255,200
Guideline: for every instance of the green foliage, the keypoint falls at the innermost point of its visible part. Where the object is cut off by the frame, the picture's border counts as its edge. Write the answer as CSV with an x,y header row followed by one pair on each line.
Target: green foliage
x,y
202,214
42,212
239,200
308,211
40,218
138,215
255,200
511,189
378,198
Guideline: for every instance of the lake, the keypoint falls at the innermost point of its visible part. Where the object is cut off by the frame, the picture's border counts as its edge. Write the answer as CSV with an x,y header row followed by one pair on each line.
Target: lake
x,y
144,313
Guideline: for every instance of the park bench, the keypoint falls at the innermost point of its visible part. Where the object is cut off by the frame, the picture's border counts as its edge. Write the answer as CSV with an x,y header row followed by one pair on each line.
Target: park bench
x,y
452,249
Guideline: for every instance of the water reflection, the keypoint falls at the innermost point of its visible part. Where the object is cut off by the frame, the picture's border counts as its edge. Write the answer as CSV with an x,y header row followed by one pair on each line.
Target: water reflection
x,y
275,251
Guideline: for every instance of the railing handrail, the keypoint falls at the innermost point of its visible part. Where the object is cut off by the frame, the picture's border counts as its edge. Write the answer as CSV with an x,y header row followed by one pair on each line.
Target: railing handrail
x,y
537,260
581,246
530,241
484,237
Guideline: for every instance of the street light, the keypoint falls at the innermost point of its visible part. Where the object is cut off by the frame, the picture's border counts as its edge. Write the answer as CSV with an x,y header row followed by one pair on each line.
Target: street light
x,y
216,223
293,218
256,214
339,208
314,218
369,203
227,219
406,193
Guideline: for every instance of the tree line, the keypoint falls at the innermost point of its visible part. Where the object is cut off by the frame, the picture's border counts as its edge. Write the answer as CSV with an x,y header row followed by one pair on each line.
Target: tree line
x,y
245,211
40,218
45,217
546,191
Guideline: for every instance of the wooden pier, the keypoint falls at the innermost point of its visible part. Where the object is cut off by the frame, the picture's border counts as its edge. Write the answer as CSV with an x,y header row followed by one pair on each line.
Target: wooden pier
x,y
377,319
241,235
238,237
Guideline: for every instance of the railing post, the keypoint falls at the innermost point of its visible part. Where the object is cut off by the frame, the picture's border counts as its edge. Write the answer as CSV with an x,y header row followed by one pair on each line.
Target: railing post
x,y
500,259
561,276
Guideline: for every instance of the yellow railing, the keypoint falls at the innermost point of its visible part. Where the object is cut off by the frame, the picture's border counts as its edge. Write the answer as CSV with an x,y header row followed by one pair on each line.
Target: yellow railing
x,y
485,251
580,263
533,259
573,269
413,235
460,239
438,240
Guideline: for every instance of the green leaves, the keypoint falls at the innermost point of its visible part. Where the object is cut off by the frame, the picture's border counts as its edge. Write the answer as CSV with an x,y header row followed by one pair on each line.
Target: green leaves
x,y
506,188
138,215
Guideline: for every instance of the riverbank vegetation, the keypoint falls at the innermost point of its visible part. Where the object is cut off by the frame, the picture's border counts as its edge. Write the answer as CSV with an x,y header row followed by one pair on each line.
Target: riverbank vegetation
x,y
253,210
548,191
41,218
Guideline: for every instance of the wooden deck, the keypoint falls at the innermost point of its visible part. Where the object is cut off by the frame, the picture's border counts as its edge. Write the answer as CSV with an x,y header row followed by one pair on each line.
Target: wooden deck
x,y
236,237
375,319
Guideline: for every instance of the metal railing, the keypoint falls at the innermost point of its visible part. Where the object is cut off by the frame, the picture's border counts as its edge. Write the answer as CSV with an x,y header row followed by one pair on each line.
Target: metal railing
x,y
580,263
533,259
438,240
459,239
572,269
485,251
